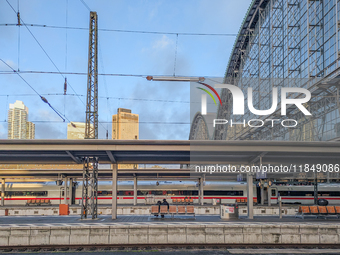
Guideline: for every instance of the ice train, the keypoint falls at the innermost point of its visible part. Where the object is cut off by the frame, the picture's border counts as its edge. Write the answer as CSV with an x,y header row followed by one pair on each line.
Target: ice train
x,y
151,191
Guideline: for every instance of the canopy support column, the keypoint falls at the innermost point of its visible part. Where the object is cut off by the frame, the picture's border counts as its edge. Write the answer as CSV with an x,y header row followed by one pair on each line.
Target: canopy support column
x,y
269,189
250,203
135,190
114,191
202,191
3,183
65,190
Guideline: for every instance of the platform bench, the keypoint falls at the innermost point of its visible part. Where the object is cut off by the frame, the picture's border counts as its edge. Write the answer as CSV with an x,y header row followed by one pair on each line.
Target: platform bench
x,y
318,211
38,202
173,210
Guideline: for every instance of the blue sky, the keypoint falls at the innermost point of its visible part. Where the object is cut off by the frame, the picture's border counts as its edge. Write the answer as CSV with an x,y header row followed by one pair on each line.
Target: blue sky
x,y
119,53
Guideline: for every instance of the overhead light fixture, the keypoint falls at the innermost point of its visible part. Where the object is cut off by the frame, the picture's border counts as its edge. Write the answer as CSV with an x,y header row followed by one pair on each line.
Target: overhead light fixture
x,y
175,78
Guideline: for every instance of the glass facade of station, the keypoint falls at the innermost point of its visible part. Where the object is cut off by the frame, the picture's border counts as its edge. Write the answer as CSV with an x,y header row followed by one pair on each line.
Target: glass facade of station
x,y
292,43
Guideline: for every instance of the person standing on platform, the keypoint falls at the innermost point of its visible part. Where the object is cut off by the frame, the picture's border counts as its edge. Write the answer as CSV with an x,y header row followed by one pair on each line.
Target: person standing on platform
x,y
165,203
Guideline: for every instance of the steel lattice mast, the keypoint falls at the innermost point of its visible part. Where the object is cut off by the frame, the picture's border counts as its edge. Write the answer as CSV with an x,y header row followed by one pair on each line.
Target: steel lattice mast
x,y
91,128
90,164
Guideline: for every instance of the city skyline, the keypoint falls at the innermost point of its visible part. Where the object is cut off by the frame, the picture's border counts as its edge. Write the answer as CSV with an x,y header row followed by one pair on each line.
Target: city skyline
x,y
125,126
18,125
120,53
75,130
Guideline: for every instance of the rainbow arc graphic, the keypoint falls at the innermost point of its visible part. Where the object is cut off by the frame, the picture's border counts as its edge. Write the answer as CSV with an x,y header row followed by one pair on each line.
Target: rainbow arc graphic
x,y
209,93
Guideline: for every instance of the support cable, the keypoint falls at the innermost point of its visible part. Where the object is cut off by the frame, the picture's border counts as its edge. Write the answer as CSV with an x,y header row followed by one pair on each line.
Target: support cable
x,y
175,56
108,105
87,7
41,97
145,32
44,50
65,84
19,24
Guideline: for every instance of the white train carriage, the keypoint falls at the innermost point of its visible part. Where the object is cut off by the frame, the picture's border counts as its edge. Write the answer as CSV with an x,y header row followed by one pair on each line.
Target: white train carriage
x,y
150,192
305,194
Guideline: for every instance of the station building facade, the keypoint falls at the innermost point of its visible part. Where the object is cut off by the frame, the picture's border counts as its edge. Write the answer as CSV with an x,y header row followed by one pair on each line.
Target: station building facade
x,y
292,43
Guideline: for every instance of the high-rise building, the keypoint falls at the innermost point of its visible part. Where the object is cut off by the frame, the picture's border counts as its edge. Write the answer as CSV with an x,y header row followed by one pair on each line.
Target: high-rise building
x,y
76,130
18,126
125,126
30,130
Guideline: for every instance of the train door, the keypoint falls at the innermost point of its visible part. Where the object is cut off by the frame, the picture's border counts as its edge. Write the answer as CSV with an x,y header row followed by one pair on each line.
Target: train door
x,y
265,195
73,197
258,194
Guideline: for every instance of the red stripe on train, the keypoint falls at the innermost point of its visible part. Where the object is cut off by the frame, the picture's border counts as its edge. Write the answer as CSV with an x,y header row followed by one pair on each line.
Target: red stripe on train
x,y
105,198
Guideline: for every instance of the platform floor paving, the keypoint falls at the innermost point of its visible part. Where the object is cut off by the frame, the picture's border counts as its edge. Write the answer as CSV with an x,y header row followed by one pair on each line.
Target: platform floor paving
x,y
17,221
195,252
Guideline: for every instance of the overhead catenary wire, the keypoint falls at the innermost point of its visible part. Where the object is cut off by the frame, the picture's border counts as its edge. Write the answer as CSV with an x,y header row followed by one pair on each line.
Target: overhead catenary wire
x,y
175,55
108,105
104,97
23,23
87,7
50,59
75,94
147,32
140,122
107,128
41,97
129,31
19,25
65,84
99,74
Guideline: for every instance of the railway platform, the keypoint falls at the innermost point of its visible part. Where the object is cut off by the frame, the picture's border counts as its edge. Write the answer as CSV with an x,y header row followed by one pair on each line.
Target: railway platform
x,y
16,210
149,230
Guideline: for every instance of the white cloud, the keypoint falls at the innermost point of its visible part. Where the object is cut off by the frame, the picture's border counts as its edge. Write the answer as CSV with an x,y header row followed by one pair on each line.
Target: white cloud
x,y
9,62
47,115
3,131
162,43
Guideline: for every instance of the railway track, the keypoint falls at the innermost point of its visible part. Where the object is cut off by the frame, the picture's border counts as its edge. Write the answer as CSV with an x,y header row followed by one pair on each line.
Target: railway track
x,y
162,247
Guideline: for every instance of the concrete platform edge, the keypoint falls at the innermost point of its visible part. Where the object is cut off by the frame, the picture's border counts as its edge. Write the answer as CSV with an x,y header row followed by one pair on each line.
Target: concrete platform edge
x,y
170,234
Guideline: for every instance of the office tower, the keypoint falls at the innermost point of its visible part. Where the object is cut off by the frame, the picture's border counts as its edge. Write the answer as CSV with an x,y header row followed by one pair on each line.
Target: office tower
x,y
125,126
76,130
30,130
18,126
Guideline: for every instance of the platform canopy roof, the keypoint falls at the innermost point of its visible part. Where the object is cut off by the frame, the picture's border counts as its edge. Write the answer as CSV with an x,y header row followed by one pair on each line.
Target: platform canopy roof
x,y
161,152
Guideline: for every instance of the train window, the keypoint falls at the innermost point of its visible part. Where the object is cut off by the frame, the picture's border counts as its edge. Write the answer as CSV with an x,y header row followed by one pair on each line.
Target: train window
x,y
330,193
183,192
168,192
25,193
142,192
283,193
128,193
157,192
301,193
125,193
104,193
223,192
273,193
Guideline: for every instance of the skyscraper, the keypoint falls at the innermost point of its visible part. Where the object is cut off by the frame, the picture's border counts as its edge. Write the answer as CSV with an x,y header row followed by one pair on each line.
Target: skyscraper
x,y
18,126
30,130
125,126
76,130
